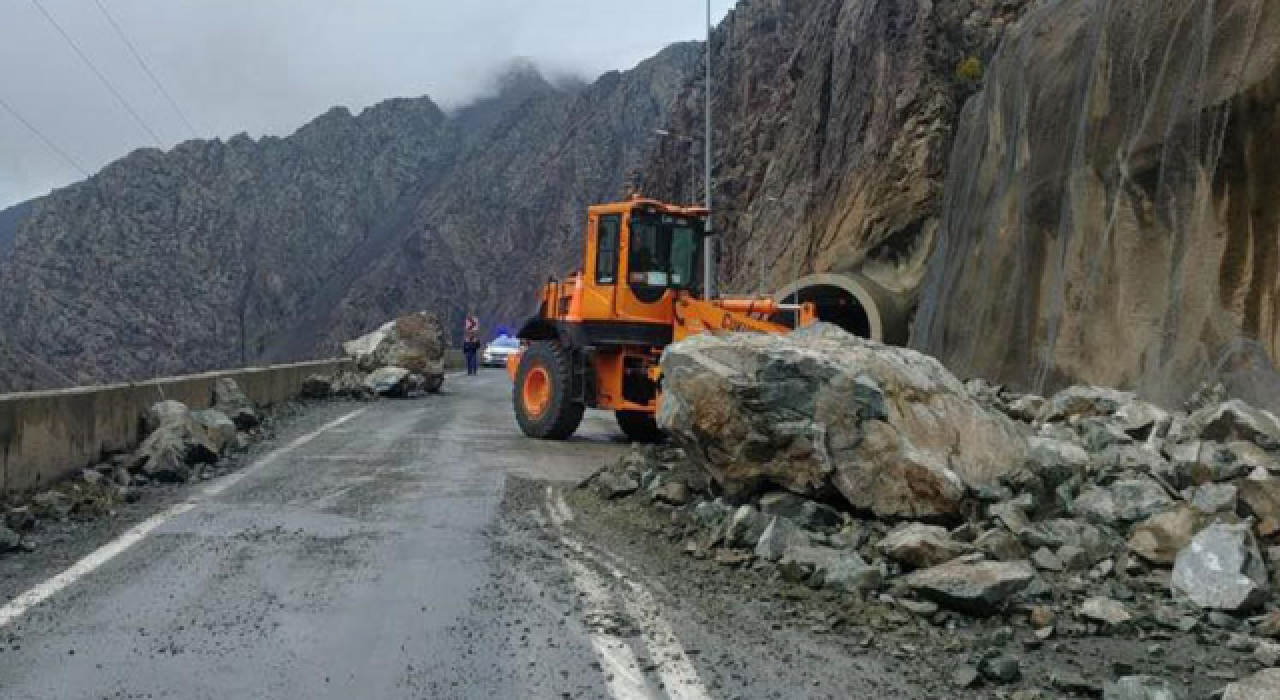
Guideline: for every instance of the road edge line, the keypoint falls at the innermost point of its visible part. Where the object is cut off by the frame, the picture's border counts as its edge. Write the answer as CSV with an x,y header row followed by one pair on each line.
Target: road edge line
x,y
41,592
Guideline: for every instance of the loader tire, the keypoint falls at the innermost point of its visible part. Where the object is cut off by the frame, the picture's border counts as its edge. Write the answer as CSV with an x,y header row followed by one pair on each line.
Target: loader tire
x,y
543,393
639,426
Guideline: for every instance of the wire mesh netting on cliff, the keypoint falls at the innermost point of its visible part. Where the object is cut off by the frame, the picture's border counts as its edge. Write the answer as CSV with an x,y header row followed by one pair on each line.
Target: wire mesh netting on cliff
x,y
1112,204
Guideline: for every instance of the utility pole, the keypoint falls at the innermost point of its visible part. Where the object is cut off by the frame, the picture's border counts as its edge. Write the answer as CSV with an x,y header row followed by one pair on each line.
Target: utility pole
x,y
709,245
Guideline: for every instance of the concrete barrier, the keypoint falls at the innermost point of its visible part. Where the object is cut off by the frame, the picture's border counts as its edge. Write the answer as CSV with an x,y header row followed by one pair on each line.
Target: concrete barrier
x,y
46,435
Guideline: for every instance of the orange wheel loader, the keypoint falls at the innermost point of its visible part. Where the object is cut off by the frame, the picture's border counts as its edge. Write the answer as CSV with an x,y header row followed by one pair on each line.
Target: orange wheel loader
x,y
598,335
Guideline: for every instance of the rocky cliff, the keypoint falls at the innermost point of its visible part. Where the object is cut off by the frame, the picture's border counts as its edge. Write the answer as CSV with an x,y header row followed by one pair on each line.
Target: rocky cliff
x,y
833,121
1111,211
228,253
1101,211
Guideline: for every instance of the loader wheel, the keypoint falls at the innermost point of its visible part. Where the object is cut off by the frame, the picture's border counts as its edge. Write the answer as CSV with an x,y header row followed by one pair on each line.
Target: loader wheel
x,y
543,393
640,426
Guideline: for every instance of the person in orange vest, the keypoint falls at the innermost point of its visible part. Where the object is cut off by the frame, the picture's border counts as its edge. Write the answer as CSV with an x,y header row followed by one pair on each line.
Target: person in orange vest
x,y
471,344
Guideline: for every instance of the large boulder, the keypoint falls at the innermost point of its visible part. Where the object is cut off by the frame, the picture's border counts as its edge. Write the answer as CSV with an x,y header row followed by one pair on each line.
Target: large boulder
x,y
1222,569
1263,685
820,411
980,588
415,342
169,453
217,430
231,400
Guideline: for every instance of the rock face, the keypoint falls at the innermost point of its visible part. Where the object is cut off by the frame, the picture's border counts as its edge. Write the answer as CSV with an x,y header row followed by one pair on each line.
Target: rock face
x,y
229,253
820,412
1222,569
821,163
1134,212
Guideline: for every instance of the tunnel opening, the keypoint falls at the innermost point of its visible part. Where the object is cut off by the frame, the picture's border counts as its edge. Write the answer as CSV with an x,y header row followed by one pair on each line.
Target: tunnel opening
x,y
837,306
853,302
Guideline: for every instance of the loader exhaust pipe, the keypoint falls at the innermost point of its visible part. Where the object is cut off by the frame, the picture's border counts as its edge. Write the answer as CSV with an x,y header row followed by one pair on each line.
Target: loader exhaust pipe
x,y
855,303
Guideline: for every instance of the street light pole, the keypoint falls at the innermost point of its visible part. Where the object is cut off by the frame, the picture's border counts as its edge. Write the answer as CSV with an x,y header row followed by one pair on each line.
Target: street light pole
x,y
709,247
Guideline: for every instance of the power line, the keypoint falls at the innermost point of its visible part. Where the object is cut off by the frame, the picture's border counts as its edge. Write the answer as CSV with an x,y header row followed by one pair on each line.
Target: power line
x,y
40,135
119,98
142,62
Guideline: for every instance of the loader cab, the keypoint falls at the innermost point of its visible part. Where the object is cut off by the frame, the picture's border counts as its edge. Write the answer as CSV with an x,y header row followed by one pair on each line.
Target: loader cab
x,y
641,254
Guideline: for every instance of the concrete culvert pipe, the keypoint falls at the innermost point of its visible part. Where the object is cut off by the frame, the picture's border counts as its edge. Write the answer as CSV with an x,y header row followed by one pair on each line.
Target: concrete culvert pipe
x,y
853,302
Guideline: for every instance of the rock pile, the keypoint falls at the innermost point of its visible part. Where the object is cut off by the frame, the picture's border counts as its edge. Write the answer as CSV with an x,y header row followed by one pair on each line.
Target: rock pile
x,y
871,471
180,445
403,357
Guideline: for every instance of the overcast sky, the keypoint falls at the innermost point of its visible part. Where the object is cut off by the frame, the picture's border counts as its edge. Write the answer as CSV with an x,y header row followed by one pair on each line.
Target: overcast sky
x,y
268,66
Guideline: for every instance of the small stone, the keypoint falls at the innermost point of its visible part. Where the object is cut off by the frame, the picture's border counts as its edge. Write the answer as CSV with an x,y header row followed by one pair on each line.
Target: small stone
x,y
1001,545
1106,611
1044,558
673,492
1141,688
780,535
1041,616
1073,558
612,485
1241,642
978,588
1269,626
20,519
1264,685
1000,669
923,608
10,541
965,677
917,546
1214,498
1267,653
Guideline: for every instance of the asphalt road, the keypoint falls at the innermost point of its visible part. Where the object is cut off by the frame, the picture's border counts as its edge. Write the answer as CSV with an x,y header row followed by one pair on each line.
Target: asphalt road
x,y
354,561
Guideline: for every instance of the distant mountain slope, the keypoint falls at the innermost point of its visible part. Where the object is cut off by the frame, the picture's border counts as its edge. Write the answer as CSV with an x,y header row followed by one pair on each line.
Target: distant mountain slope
x,y
10,220
227,253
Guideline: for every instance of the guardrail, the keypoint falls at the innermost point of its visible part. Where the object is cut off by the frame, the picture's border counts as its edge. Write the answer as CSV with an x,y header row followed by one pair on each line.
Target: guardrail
x,y
47,435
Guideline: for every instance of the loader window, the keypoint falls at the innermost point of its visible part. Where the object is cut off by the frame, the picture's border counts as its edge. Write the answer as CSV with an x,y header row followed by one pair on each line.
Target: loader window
x,y
607,249
684,256
664,255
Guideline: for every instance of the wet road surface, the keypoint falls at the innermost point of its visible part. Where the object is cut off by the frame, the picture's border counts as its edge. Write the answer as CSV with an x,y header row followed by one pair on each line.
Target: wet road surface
x,y
350,563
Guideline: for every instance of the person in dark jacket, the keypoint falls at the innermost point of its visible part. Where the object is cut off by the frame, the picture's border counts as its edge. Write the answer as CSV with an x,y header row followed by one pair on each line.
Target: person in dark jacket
x,y
471,348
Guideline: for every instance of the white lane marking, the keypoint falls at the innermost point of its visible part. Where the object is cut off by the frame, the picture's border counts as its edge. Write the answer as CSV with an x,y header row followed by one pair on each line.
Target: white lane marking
x,y
679,678
230,480
43,591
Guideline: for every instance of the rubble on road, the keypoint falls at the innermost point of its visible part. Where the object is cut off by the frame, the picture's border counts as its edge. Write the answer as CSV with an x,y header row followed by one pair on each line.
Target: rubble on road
x,y
861,470
178,446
